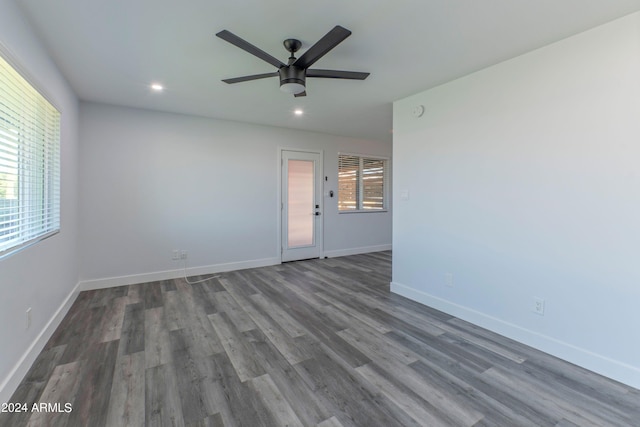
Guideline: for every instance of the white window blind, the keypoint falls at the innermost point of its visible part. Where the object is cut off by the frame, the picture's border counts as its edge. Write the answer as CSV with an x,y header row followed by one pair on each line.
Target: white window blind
x,y
361,183
29,163
348,179
373,175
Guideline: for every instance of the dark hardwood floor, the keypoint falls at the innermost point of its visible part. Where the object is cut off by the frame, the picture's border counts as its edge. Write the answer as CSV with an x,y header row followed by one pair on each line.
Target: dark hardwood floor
x,y
310,343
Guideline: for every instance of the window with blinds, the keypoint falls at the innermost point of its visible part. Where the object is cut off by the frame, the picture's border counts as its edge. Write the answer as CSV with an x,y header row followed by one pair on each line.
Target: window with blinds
x,y
361,183
29,163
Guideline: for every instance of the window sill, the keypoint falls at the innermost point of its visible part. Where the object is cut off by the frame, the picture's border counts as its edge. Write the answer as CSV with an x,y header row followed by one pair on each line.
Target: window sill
x,y
364,211
19,248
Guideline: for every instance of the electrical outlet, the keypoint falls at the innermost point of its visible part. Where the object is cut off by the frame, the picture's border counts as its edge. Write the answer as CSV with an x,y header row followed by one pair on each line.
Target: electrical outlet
x,y
28,318
175,254
448,279
538,306
183,254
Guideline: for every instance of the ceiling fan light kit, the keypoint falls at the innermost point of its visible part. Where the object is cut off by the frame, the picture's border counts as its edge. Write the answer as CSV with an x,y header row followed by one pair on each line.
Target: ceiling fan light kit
x,y
293,75
292,79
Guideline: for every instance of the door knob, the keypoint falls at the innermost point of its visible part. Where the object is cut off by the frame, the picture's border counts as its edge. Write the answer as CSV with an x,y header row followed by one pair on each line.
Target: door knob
x,y
317,213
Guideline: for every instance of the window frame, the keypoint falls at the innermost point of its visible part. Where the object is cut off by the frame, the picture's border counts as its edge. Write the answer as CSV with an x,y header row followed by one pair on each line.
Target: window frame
x,y
47,195
360,183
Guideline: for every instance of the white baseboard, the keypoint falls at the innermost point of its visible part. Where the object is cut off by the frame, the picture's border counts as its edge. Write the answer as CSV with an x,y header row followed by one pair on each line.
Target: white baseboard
x,y
357,251
603,365
110,282
11,383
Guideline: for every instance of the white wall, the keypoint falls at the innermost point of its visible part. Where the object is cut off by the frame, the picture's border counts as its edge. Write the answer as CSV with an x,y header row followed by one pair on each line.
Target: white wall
x,y
152,182
524,181
42,276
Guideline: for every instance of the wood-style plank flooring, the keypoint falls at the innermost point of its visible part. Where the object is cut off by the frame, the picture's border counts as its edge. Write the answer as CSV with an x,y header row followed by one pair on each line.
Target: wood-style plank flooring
x,y
310,343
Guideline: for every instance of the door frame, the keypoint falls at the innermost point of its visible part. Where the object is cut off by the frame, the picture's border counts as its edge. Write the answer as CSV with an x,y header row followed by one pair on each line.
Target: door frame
x,y
279,206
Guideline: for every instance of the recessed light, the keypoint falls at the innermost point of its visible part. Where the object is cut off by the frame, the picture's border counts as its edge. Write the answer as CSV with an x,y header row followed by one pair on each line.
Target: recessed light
x,y
298,112
157,87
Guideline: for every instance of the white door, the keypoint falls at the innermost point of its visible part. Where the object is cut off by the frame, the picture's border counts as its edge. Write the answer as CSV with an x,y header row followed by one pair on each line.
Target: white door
x,y
301,209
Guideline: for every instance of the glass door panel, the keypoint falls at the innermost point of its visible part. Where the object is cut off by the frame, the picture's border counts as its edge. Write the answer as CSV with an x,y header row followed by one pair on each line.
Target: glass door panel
x,y
300,210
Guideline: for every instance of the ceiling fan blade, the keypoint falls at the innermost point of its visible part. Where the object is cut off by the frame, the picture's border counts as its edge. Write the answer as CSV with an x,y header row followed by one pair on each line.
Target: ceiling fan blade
x,y
322,46
337,74
248,47
252,77
303,93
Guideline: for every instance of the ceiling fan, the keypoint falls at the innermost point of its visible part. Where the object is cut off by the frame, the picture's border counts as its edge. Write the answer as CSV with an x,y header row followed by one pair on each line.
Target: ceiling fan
x,y
293,74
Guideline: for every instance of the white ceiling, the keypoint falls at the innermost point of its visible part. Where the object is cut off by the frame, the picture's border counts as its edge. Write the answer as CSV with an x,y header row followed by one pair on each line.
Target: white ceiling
x,y
112,50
